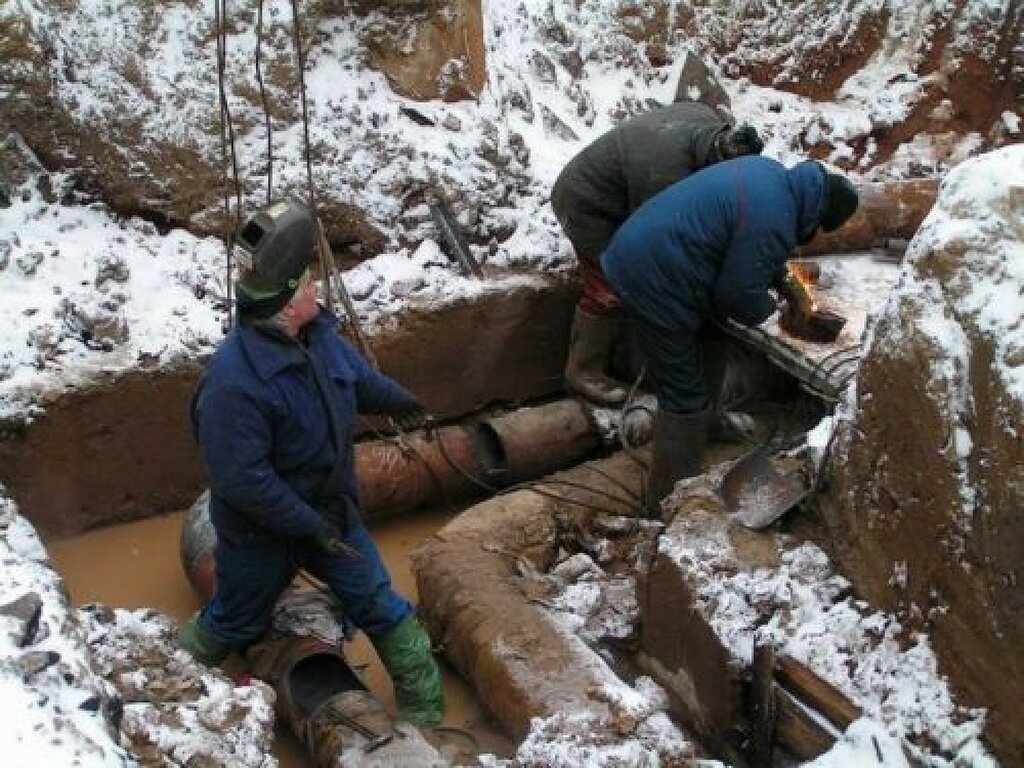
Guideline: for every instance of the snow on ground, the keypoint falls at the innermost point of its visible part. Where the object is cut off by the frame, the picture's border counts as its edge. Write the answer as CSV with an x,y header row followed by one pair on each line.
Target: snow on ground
x,y
87,292
801,609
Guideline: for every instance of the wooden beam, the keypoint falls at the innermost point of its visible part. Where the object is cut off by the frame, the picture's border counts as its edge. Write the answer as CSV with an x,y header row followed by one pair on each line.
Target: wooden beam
x,y
798,730
816,692
762,705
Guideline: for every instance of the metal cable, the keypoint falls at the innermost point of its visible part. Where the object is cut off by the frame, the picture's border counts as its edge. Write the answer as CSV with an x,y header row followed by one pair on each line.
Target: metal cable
x,y
327,271
569,484
613,480
407,449
227,141
263,98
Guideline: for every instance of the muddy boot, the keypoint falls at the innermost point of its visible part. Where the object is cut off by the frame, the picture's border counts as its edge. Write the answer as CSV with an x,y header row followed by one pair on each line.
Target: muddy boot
x,y
590,351
406,654
203,647
679,442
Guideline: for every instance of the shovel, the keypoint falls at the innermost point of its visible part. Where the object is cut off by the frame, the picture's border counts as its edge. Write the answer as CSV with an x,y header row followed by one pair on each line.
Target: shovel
x,y
756,494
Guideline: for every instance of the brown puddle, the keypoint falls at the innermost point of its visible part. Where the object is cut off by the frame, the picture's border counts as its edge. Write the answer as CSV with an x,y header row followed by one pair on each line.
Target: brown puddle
x,y
136,565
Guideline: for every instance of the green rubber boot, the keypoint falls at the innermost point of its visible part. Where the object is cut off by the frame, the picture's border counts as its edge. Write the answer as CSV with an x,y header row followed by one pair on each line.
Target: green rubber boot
x,y
198,642
405,652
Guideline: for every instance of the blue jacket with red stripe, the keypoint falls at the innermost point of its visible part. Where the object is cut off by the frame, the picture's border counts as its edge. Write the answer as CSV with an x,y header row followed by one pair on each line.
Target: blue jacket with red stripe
x,y
712,244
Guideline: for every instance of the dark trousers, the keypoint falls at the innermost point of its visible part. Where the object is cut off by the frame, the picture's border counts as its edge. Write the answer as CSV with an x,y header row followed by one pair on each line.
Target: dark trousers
x,y
686,364
252,574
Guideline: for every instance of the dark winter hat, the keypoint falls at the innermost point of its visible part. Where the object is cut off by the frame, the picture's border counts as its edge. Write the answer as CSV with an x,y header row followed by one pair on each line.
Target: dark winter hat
x,y
841,201
743,140
273,248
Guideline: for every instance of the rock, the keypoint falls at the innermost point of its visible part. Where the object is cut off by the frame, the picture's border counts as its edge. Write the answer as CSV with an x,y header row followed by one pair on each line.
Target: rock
x,y
26,610
33,662
929,470
696,83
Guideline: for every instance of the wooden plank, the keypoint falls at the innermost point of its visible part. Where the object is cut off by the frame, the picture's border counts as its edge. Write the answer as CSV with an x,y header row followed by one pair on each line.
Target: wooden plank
x,y
763,712
816,692
798,730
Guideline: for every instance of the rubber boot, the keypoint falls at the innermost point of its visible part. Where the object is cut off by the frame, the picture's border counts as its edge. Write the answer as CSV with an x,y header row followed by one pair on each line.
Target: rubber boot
x,y
203,647
405,653
679,442
590,352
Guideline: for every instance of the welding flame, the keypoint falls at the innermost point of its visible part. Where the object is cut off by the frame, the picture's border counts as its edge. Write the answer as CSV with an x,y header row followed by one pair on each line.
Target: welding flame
x,y
806,276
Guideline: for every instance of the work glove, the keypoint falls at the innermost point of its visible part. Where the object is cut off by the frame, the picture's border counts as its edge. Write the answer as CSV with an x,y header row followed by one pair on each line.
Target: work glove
x,y
329,539
799,303
742,140
410,417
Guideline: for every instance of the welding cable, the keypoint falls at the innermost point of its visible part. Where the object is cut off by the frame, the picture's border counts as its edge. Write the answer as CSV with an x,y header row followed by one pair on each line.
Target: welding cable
x,y
534,487
409,450
529,485
570,484
613,480
435,433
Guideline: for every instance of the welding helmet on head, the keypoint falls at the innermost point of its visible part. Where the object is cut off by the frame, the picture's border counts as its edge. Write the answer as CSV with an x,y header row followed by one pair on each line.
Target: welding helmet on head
x,y
273,248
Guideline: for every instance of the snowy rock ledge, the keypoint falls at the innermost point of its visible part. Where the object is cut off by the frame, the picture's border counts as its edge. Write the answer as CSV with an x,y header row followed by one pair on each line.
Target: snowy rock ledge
x,y
928,496
716,589
102,687
56,710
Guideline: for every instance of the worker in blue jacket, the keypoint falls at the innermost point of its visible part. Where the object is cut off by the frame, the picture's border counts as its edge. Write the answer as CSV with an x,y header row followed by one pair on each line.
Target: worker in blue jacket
x,y
597,191
709,248
273,415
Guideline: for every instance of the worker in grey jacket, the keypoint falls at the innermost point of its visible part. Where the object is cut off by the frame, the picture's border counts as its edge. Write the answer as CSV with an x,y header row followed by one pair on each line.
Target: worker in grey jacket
x,y
598,190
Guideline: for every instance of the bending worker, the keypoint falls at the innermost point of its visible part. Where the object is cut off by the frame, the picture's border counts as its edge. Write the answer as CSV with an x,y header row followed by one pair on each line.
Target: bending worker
x,y
598,190
273,416
709,248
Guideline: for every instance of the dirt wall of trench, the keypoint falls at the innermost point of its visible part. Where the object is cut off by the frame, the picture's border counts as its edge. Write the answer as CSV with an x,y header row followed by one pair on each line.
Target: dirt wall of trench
x,y
123,450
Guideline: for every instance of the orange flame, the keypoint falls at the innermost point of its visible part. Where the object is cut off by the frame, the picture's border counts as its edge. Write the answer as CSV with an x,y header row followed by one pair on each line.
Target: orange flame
x,y
806,273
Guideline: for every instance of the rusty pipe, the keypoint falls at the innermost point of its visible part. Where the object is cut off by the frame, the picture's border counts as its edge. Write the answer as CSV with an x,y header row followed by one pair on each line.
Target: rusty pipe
x,y
329,708
452,463
888,211
457,462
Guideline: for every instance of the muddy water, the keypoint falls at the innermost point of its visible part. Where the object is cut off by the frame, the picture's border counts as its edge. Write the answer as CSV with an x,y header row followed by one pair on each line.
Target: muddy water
x,y
136,566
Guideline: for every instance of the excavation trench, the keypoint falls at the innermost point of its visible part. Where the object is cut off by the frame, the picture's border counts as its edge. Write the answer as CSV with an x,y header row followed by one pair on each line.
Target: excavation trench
x,y
121,452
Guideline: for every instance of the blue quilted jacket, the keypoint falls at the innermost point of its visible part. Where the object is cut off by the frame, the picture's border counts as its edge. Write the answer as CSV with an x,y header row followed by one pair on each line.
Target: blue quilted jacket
x,y
264,434
712,244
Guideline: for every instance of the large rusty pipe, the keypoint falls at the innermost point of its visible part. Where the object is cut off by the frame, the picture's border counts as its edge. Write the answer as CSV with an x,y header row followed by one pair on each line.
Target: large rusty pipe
x,y
455,463
450,464
888,211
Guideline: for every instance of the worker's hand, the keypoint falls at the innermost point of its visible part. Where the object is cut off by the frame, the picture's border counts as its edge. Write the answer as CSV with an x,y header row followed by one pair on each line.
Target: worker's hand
x,y
798,301
329,539
411,417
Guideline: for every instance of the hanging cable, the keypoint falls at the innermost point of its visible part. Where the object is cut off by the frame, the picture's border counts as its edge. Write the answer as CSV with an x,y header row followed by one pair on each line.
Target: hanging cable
x,y
327,271
263,99
227,148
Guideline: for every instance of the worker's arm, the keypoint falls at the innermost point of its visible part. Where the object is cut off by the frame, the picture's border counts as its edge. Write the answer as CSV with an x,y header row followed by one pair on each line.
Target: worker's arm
x,y
755,261
377,393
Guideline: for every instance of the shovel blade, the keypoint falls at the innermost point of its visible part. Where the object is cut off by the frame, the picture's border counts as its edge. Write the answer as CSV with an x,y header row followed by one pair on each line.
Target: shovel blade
x,y
756,494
